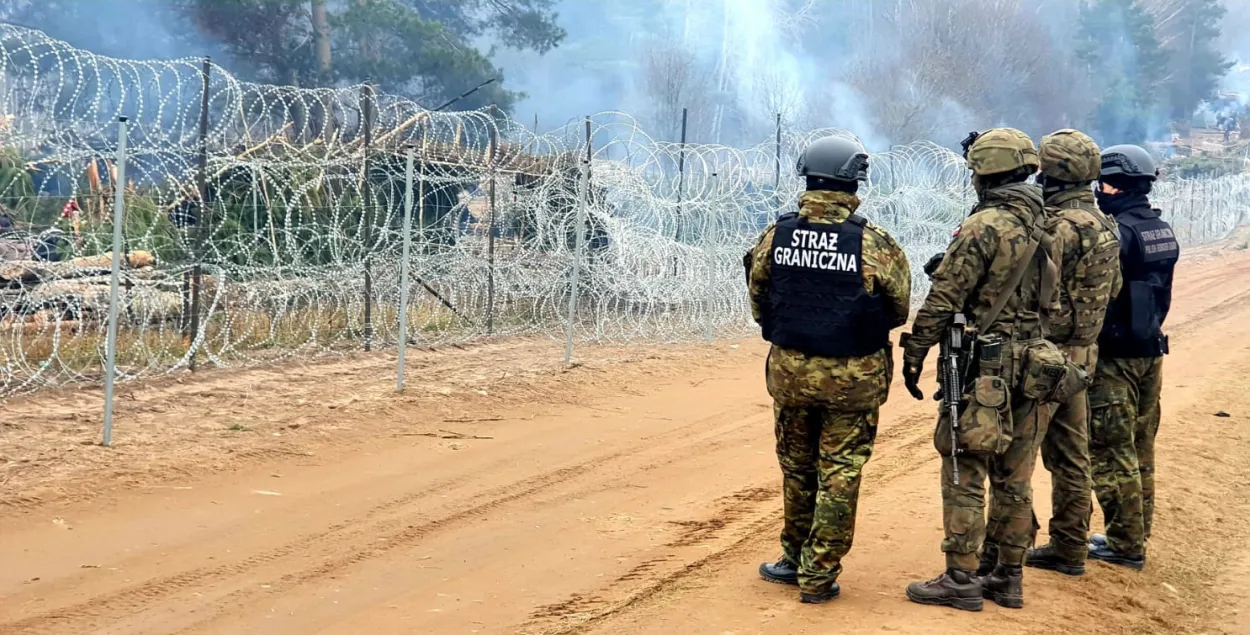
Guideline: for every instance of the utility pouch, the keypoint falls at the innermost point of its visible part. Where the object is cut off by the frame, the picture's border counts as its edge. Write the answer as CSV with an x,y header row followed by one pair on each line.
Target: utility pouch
x,y
985,425
1048,376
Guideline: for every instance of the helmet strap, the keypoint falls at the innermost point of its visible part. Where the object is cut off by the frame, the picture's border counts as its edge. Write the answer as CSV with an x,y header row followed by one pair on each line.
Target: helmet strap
x,y
1052,186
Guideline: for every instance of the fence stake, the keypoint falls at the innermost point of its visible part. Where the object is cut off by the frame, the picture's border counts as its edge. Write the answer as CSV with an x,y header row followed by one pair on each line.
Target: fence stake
x,y
367,201
119,205
404,267
710,253
490,236
578,244
777,167
203,221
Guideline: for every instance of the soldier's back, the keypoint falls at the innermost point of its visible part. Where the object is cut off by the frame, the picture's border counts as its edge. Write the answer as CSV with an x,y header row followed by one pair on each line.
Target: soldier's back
x,y
1089,269
1001,230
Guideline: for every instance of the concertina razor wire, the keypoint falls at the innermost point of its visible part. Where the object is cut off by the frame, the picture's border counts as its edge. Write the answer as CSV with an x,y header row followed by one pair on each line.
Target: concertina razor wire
x,y
305,198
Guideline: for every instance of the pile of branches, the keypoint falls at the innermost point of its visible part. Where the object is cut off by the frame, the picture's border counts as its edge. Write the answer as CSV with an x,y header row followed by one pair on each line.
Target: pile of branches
x,y
34,294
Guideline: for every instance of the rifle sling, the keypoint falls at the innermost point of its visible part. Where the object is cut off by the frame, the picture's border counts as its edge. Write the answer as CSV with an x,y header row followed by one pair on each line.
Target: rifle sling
x,y
1017,275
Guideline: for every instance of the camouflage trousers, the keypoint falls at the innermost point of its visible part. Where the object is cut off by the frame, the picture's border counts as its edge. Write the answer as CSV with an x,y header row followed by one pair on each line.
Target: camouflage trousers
x,y
1065,454
1124,419
1009,530
822,453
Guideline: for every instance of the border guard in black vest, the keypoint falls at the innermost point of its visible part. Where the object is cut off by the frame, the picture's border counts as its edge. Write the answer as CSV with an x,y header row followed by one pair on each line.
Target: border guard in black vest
x,y
826,287
1124,398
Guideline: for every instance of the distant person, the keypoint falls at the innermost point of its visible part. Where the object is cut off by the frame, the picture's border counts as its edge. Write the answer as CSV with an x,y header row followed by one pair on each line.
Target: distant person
x,y
1124,398
994,273
1089,249
826,288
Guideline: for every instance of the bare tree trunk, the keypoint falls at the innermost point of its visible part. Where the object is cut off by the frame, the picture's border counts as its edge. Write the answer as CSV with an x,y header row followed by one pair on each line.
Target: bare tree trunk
x,y
321,33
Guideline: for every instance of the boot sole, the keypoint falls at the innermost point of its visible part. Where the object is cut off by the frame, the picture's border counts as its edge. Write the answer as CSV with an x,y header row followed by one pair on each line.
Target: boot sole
x,y
963,604
776,580
1066,569
1004,600
818,598
1136,565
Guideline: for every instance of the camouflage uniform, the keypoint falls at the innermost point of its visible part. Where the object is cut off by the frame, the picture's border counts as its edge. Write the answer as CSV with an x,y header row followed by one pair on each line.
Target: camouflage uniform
x,y
1090,273
999,427
826,408
1124,401
975,270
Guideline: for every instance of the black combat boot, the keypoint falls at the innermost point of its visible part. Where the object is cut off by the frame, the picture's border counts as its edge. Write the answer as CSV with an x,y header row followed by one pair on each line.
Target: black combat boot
x,y
1098,540
1047,557
781,572
955,588
1005,585
1106,554
820,598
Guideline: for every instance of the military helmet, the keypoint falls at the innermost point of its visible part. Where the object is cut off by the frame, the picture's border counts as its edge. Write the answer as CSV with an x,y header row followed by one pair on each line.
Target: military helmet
x,y
999,151
836,158
1129,161
1071,156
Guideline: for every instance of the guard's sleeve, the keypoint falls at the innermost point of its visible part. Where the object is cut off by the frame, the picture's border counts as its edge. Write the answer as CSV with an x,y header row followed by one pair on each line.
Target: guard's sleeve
x,y
758,282
893,276
964,265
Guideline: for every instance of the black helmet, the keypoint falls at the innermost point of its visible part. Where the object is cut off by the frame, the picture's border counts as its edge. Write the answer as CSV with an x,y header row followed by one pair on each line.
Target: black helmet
x,y
834,158
1128,161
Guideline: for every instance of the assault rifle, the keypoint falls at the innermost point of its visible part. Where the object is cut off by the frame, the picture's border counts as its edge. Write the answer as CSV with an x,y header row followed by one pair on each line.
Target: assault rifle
x,y
952,364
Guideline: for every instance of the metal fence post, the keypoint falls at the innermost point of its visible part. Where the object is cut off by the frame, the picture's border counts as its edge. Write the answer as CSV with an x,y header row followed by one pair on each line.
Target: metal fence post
x,y
710,253
490,233
366,211
119,205
578,246
404,271
204,219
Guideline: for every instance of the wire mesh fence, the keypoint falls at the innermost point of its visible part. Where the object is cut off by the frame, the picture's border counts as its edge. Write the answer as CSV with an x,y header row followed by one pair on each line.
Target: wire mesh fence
x,y
264,223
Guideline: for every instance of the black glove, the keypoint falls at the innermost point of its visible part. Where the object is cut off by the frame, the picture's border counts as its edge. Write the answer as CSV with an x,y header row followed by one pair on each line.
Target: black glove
x,y
913,363
931,267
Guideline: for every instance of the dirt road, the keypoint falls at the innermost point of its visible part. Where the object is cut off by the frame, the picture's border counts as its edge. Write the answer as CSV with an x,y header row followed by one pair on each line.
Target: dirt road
x,y
500,494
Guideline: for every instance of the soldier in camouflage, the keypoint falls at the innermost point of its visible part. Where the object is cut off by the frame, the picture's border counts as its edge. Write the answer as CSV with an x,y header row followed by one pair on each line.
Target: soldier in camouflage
x,y
1124,398
997,245
1090,272
825,287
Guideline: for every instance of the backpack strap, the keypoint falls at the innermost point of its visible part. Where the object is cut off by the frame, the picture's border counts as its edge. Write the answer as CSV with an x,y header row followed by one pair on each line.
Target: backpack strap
x,y
1017,276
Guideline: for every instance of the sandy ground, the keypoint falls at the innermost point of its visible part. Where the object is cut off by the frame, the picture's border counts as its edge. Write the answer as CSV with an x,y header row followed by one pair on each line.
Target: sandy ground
x,y
637,492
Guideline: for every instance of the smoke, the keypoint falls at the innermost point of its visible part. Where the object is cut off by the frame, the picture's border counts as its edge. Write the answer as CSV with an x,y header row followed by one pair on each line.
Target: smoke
x,y
891,71
127,29
751,55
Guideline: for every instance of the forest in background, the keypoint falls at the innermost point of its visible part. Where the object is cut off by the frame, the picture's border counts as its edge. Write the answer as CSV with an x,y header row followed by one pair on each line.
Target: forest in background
x,y
893,71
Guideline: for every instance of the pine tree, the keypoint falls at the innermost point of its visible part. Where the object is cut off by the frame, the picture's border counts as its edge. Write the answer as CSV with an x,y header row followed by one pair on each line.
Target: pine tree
x,y
424,49
1118,44
1196,66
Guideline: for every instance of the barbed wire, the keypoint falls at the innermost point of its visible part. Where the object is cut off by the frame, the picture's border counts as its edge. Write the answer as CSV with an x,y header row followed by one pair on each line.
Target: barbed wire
x,y
303,201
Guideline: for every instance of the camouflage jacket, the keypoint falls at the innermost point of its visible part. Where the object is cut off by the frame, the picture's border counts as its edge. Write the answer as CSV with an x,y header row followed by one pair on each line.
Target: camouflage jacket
x,y
977,267
795,379
1089,248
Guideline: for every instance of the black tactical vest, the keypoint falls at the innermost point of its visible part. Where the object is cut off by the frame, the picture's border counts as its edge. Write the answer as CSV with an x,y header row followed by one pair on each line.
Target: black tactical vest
x,y
817,302
1134,324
